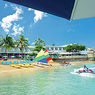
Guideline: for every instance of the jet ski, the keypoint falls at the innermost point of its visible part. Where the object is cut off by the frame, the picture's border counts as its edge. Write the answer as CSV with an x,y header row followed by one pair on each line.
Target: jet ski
x,y
85,70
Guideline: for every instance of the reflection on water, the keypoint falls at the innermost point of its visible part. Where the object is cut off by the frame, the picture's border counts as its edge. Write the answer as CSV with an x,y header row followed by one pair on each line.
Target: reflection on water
x,y
53,82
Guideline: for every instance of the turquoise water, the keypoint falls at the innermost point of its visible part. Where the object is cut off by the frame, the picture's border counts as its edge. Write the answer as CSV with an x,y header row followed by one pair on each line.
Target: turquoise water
x,y
54,82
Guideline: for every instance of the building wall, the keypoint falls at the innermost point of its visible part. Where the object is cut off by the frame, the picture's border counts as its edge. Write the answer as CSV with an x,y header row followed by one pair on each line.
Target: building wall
x,y
53,50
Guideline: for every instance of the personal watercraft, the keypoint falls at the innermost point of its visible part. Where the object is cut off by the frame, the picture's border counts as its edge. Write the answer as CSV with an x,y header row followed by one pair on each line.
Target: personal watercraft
x,y
85,70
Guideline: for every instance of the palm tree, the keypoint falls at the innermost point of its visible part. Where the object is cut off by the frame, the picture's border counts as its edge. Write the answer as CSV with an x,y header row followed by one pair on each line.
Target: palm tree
x,y
39,41
1,40
53,44
22,43
7,43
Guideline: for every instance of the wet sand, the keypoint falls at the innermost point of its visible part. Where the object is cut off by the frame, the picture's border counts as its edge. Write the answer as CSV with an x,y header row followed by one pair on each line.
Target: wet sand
x,y
7,70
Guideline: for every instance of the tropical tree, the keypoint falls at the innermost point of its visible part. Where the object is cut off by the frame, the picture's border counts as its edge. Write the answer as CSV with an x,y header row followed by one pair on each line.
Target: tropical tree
x,y
38,48
22,43
53,44
1,40
7,43
39,41
74,48
39,44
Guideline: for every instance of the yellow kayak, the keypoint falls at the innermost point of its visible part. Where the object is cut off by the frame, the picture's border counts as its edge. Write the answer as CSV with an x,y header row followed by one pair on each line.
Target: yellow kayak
x,y
18,67
26,65
22,65
31,65
13,65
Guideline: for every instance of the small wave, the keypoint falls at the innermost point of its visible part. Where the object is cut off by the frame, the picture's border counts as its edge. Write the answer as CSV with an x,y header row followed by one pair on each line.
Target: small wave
x,y
93,68
87,75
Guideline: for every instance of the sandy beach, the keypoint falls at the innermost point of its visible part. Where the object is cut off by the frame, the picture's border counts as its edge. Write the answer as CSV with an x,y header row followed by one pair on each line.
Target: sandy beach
x,y
7,70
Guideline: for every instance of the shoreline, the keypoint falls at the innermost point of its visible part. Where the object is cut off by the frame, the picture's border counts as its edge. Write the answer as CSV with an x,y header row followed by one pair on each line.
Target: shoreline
x,y
7,70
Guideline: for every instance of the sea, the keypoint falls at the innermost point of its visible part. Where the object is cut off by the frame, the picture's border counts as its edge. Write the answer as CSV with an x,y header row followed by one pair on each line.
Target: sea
x,y
64,81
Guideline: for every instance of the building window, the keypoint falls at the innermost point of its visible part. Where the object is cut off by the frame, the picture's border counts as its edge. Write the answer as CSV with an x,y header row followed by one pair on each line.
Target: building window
x,y
47,48
60,48
52,48
56,48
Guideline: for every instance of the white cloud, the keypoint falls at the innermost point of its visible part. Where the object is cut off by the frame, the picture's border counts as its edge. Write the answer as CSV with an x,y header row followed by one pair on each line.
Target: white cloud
x,y
30,9
17,30
6,22
38,15
5,5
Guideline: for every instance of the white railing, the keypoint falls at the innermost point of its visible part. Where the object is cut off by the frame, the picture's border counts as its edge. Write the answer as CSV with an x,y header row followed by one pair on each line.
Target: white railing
x,y
71,57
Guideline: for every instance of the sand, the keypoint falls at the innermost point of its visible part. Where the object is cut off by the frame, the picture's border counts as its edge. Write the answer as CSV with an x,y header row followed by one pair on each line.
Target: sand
x,y
7,70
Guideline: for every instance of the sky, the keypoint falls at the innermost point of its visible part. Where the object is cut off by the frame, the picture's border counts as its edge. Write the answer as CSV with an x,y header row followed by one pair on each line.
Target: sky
x,y
16,20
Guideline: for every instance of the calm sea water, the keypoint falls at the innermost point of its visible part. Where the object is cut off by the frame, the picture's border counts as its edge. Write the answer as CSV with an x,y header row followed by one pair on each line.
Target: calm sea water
x,y
54,82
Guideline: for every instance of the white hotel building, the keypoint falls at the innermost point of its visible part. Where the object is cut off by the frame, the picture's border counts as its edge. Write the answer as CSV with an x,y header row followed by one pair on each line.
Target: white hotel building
x,y
54,51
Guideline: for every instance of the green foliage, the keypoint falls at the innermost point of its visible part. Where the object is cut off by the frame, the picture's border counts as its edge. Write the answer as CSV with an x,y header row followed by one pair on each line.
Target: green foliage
x,y
0,56
53,44
39,44
7,42
32,54
39,41
74,48
22,43
59,55
38,48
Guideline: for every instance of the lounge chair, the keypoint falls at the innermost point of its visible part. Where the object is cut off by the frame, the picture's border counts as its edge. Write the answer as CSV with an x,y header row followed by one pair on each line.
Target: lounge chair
x,y
17,62
30,61
27,61
14,62
2,62
7,63
24,61
10,62
21,61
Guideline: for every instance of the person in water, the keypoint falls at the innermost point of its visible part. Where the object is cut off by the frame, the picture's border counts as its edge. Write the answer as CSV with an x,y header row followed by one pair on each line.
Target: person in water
x,y
85,68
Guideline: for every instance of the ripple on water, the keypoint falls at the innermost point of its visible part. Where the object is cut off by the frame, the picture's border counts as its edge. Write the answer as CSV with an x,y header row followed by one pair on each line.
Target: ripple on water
x,y
54,82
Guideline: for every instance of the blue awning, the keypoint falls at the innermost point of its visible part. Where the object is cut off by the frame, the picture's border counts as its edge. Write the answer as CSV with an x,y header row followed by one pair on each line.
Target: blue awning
x,y
62,8
69,9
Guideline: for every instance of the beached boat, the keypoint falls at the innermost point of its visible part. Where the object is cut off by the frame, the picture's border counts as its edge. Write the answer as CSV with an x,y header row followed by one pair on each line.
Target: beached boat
x,y
12,65
16,66
31,65
26,65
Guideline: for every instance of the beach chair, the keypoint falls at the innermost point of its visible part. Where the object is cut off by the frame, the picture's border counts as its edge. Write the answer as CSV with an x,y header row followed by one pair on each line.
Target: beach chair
x,y
10,62
30,61
2,62
24,61
21,61
17,62
14,62
7,63
27,61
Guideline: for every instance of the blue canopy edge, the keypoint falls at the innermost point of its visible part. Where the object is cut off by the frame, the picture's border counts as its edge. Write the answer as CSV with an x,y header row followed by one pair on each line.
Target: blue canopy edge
x,y
61,8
